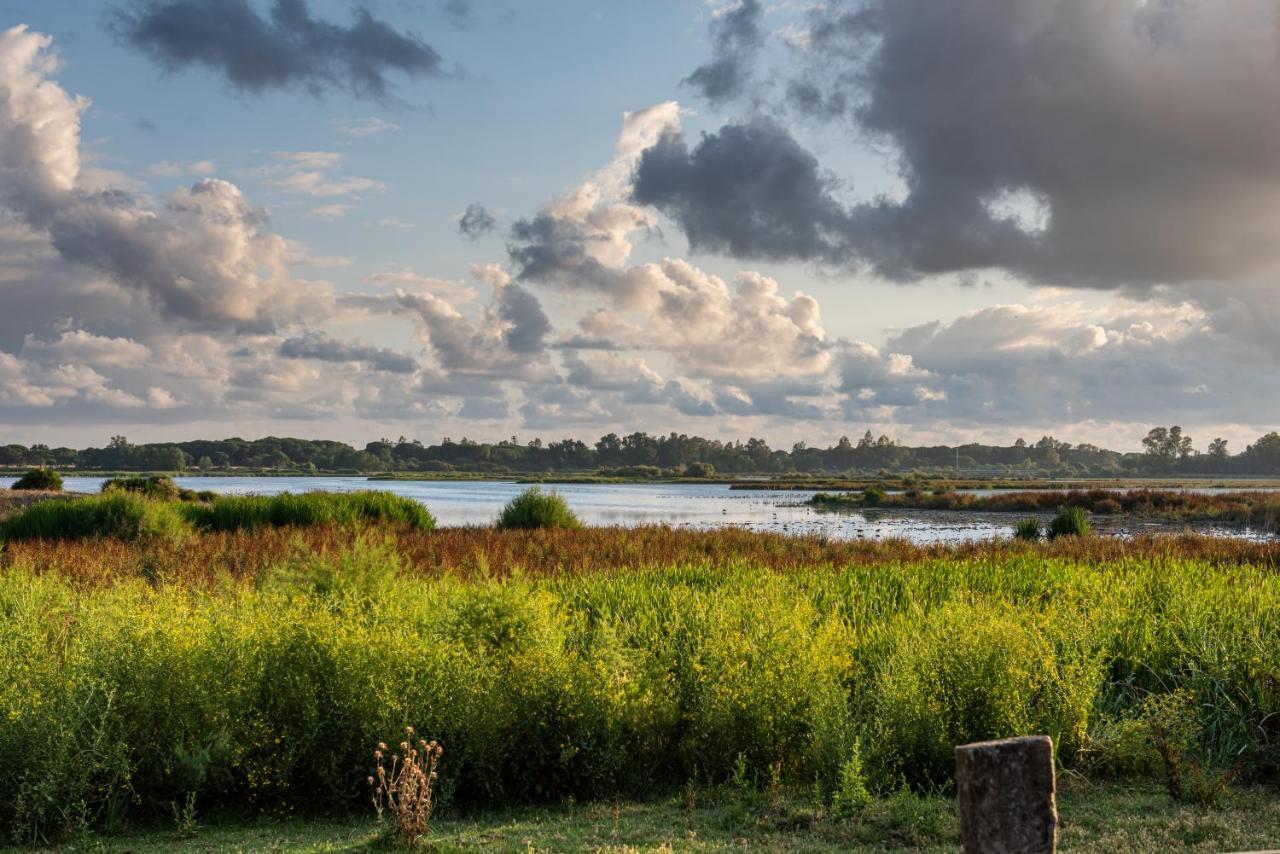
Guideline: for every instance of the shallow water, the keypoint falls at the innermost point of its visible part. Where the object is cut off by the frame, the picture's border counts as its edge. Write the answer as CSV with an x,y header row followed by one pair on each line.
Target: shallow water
x,y
698,505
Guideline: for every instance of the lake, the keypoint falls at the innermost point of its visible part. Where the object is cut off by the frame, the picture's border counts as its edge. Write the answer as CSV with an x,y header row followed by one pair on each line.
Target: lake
x,y
698,505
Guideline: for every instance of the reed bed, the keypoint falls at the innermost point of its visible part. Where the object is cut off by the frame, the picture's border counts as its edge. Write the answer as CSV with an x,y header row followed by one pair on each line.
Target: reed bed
x,y
200,561
1247,508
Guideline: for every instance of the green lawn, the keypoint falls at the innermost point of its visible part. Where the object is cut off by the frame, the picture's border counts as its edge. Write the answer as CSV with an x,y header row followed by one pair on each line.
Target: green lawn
x,y
1108,818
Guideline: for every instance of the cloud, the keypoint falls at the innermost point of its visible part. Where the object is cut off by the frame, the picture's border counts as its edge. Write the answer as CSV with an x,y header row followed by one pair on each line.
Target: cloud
x,y
287,49
306,172
735,39
504,343
365,127
329,212
476,222
171,169
1074,143
203,256
317,345
582,238
749,190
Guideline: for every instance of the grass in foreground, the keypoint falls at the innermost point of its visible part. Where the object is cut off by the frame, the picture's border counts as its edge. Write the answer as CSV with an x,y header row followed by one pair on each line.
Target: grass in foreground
x,y
132,681
1101,819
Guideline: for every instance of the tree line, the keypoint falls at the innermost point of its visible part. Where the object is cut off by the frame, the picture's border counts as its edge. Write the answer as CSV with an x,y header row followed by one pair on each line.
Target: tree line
x,y
1165,451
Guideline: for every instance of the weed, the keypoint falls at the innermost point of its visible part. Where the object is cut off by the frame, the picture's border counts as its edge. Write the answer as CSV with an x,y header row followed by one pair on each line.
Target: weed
x,y
404,785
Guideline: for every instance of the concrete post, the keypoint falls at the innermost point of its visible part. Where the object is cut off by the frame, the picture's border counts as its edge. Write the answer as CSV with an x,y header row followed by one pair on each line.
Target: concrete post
x,y
1006,793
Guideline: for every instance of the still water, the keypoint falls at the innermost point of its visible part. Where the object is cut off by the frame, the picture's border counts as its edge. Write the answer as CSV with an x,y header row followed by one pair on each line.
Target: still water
x,y
697,505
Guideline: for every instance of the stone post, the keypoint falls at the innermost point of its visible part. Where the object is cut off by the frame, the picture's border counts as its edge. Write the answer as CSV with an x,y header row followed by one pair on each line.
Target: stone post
x,y
1006,791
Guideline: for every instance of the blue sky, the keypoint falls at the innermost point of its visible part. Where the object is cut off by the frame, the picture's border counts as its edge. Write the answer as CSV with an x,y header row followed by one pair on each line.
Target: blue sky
x,y
945,324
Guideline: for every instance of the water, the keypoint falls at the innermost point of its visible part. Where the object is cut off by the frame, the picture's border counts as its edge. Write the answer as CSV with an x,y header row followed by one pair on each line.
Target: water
x,y
695,505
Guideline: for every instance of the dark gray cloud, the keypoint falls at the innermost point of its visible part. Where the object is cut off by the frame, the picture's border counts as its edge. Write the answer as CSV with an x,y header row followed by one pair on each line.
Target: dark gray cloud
x,y
287,48
749,190
1105,144
317,345
549,248
735,39
476,221
527,323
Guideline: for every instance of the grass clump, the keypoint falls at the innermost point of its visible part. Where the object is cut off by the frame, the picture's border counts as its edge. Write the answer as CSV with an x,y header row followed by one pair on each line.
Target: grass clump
x,y
1070,522
534,508
43,479
157,486
1028,529
248,512
120,515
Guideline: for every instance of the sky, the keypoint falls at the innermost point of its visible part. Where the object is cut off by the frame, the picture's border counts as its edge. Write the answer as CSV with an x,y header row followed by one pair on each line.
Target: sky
x,y
792,220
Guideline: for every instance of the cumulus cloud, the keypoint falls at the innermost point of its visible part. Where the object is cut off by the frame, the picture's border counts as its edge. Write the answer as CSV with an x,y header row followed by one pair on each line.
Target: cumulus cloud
x,y
203,256
582,238
476,222
287,49
735,39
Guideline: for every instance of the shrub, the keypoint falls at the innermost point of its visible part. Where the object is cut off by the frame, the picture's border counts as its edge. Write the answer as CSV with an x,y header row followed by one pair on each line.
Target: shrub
x,y
970,673
873,497
1028,529
44,479
534,508
246,512
158,486
120,515
700,470
1070,522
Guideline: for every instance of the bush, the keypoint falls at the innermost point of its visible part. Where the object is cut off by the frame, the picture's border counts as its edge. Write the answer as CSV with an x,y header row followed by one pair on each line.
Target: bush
x,y
242,512
159,486
873,497
1070,522
1028,529
971,673
534,508
43,479
700,470
120,515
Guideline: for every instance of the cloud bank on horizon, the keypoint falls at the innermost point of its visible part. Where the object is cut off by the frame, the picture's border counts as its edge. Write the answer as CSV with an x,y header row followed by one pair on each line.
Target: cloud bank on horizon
x,y
1080,146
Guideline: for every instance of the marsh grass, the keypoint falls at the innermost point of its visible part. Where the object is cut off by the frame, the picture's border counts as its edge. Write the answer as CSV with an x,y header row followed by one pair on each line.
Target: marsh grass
x,y
132,512
1248,508
46,480
122,516
534,508
270,673
249,512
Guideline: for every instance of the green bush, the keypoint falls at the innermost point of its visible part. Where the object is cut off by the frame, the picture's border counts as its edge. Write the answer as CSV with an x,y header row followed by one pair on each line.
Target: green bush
x,y
158,486
872,497
534,508
44,479
972,673
1070,522
245,512
700,470
1028,529
121,515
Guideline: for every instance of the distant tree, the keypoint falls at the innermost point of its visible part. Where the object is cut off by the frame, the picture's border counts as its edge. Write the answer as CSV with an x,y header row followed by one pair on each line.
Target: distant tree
x,y
1167,445
1218,449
